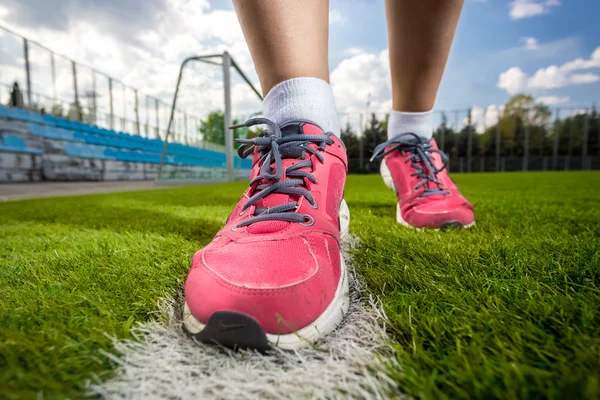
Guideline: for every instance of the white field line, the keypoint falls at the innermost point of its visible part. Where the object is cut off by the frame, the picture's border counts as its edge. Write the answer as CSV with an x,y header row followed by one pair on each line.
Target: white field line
x,y
162,362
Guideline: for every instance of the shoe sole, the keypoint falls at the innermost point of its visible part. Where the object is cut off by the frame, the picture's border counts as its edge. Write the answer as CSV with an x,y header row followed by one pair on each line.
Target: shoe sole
x,y
235,330
386,174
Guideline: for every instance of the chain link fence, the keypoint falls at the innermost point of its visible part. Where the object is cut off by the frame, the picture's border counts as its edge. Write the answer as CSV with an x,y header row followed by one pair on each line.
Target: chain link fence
x,y
35,78
510,138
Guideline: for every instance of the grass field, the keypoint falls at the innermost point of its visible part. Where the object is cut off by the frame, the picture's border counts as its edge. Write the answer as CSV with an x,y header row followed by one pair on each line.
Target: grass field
x,y
510,308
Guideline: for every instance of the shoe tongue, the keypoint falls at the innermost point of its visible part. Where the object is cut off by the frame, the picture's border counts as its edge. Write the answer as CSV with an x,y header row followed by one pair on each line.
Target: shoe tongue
x,y
297,128
300,127
287,154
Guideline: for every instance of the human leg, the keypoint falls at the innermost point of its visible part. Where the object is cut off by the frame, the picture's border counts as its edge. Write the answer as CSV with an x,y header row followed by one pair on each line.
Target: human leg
x,y
274,275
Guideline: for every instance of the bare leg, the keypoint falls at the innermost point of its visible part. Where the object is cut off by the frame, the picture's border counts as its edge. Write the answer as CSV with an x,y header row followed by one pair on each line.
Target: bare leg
x,y
420,35
287,38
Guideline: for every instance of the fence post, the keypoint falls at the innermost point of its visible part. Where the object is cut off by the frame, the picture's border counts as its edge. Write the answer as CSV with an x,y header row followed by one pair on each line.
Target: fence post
x,y
53,72
469,148
137,113
227,115
556,140
94,97
111,106
147,129
443,137
185,129
498,138
75,94
157,118
27,71
526,148
570,144
361,155
124,116
584,145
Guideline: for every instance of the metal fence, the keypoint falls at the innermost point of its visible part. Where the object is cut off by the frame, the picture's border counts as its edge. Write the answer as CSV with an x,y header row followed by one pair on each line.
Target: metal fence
x,y
492,140
55,84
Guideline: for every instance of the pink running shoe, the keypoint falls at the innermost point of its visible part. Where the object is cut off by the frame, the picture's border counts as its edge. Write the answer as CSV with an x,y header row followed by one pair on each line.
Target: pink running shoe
x,y
274,275
427,197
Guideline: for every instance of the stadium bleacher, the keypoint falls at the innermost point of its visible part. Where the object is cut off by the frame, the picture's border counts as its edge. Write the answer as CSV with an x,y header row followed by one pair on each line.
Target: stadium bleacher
x,y
44,147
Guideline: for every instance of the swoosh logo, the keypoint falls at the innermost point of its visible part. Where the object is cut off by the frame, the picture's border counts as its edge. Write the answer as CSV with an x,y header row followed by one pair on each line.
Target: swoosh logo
x,y
222,326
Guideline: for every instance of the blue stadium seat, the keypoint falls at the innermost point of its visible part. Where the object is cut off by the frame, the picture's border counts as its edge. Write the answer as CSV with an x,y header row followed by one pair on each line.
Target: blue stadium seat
x,y
37,130
4,111
14,144
35,117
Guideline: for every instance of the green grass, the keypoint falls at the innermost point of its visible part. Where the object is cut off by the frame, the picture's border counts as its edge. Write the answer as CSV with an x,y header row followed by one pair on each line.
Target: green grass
x,y
510,308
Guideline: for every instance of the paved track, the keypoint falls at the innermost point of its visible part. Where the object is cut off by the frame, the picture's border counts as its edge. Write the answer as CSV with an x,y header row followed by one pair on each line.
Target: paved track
x,y
18,191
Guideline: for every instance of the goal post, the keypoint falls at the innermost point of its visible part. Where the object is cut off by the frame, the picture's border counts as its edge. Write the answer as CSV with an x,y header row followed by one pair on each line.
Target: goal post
x,y
201,167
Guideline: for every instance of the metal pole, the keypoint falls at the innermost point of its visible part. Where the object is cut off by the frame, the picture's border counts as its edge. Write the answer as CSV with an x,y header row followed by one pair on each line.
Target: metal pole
x,y
27,71
469,145
94,96
361,159
147,117
53,71
124,117
244,77
556,140
110,99
165,142
584,145
526,148
570,144
498,138
157,118
185,128
137,113
443,137
75,93
228,132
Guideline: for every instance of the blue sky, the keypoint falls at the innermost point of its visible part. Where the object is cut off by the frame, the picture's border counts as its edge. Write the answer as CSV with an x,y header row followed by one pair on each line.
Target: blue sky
x,y
541,47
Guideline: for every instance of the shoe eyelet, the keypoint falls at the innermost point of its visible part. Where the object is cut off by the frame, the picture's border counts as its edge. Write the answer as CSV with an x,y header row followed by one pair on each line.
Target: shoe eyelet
x,y
234,228
242,212
308,220
315,206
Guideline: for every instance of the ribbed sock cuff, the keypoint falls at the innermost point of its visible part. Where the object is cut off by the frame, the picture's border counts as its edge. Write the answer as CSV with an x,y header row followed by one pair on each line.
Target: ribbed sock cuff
x,y
303,98
419,123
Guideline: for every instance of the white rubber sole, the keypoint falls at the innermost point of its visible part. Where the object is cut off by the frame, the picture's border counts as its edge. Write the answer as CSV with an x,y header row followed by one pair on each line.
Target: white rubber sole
x,y
386,174
332,316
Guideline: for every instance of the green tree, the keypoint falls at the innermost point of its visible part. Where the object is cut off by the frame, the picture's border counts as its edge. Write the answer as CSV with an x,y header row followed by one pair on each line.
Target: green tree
x,y
374,134
351,142
212,129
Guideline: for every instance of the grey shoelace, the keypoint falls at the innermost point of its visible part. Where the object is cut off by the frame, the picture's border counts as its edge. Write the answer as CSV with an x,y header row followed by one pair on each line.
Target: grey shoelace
x,y
420,157
270,144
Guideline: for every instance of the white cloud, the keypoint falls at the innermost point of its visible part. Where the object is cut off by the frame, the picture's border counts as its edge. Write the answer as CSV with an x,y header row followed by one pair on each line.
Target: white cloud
x,y
483,118
148,61
363,78
553,100
514,80
336,17
520,9
531,43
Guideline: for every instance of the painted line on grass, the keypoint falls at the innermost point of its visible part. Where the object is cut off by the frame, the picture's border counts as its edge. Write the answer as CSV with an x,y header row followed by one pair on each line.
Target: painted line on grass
x,y
162,362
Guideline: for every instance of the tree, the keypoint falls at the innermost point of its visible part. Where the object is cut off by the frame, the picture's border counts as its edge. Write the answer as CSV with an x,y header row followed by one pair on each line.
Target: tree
x,y
212,129
374,134
351,142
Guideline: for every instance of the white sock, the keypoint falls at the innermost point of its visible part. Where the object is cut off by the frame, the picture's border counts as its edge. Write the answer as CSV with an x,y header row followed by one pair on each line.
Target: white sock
x,y
419,123
303,98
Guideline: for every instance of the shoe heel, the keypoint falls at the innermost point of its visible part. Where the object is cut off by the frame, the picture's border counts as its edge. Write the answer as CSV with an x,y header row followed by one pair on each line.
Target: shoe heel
x,y
387,176
344,219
